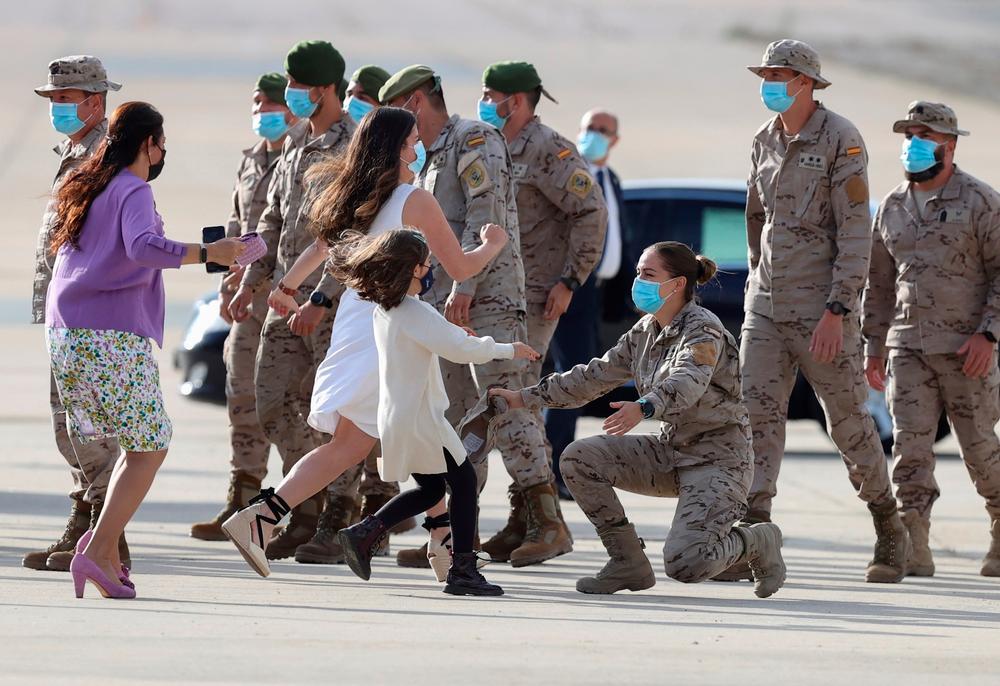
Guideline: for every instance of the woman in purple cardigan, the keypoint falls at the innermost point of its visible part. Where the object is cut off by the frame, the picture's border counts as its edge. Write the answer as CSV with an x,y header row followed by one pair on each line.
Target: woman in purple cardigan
x,y
105,305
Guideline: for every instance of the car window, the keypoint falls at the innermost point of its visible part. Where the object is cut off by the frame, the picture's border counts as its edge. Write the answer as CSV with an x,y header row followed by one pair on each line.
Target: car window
x,y
723,235
713,227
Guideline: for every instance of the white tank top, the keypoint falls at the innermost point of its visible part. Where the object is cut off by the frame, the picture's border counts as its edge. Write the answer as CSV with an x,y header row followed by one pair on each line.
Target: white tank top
x,y
391,215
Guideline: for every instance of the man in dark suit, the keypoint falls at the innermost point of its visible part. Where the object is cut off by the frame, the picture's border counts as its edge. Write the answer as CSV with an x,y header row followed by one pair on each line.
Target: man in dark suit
x,y
576,338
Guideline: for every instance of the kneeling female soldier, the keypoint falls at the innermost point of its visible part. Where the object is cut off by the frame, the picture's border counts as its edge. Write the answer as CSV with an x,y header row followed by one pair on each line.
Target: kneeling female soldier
x,y
686,370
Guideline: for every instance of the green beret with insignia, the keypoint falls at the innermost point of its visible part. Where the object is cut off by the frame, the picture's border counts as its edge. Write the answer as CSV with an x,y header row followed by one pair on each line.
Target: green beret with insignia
x,y
273,86
513,77
315,63
371,79
406,81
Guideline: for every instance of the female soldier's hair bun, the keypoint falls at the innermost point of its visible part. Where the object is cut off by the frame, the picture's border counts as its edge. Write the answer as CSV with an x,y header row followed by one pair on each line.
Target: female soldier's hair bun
x,y
706,269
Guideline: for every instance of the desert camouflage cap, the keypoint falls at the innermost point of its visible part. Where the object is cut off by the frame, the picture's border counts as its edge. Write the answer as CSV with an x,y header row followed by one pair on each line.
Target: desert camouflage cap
x,y
934,115
792,54
84,72
407,80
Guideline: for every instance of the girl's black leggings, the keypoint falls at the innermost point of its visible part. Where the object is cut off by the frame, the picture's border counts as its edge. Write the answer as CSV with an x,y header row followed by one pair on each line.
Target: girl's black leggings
x,y
461,479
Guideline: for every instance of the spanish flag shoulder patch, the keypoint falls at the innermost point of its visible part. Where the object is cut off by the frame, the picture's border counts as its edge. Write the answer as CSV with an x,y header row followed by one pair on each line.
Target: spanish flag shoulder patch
x,y
853,151
475,141
564,153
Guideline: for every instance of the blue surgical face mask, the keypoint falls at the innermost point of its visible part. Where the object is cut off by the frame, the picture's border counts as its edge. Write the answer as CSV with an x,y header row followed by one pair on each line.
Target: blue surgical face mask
x,y
593,146
918,154
775,96
64,117
646,295
358,108
488,113
270,125
426,282
416,165
299,102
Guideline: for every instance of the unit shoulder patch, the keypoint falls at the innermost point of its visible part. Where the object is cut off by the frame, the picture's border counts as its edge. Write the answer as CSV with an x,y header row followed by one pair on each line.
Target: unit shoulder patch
x,y
580,183
705,353
857,189
476,177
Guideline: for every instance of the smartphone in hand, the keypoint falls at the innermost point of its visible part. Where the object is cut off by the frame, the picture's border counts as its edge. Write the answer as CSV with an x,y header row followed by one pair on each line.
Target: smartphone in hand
x,y
210,234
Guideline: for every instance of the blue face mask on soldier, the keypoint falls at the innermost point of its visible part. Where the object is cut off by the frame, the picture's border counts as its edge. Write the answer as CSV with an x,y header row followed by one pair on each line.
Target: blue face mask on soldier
x,y
775,96
646,295
299,102
918,154
488,113
358,108
64,117
270,125
593,145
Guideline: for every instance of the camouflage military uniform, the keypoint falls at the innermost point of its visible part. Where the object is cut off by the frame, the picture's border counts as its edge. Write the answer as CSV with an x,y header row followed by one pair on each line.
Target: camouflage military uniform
x,y
690,373
90,463
808,229
563,219
250,445
934,282
468,170
286,362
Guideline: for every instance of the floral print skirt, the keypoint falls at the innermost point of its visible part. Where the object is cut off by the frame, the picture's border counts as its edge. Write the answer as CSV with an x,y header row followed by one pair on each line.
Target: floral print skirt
x,y
109,383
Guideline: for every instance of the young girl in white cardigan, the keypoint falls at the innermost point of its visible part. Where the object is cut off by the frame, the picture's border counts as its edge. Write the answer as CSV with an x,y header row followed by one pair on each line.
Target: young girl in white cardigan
x,y
392,269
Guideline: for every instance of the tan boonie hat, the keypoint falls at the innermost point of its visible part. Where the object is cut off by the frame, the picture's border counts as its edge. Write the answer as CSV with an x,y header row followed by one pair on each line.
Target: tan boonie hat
x,y
791,54
84,72
934,115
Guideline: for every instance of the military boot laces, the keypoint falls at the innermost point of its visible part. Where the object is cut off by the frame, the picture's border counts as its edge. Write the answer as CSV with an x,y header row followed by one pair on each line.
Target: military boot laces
x,y
892,545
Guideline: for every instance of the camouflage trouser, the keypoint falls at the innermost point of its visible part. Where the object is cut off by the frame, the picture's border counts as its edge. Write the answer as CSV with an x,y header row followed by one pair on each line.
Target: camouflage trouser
x,y
250,445
90,463
712,498
286,369
520,434
770,355
540,333
921,387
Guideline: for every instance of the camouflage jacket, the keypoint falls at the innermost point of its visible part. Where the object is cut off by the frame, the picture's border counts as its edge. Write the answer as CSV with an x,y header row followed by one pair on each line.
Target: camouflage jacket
x,y
562,213
689,372
71,156
250,192
935,275
808,221
285,225
468,170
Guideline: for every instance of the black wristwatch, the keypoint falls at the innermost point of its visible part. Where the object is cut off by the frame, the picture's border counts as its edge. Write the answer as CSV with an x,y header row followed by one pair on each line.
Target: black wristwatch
x,y
570,283
203,254
837,308
647,408
320,300
988,335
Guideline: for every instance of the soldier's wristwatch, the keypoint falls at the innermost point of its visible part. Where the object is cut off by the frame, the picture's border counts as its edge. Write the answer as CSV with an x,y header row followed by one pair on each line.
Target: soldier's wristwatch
x,y
837,308
647,408
988,335
570,283
320,300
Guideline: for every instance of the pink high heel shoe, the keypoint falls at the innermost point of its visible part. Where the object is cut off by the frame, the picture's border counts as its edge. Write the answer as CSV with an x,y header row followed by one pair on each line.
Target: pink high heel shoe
x,y
84,569
82,542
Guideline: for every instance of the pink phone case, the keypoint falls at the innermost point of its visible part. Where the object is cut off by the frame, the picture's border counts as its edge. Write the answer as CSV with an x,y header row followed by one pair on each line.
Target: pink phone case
x,y
256,249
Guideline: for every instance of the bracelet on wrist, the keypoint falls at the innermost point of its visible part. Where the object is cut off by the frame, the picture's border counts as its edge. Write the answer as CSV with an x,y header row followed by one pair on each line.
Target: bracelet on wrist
x,y
286,290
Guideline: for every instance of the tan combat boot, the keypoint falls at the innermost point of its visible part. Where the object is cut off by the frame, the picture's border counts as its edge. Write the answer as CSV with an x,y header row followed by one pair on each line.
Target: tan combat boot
x,y
301,528
79,519
628,568
546,534
892,545
511,536
919,562
323,549
413,557
741,570
762,545
61,560
242,487
991,563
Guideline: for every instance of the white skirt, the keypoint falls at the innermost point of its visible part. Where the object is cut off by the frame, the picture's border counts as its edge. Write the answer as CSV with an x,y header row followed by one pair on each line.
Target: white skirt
x,y
347,381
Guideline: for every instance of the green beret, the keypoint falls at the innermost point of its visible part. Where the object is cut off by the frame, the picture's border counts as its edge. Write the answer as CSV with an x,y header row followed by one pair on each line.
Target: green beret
x,y
371,79
315,63
273,86
342,90
406,81
513,77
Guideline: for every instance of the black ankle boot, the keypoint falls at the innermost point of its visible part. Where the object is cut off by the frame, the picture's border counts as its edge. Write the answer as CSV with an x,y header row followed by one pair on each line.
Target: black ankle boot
x,y
465,579
360,543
